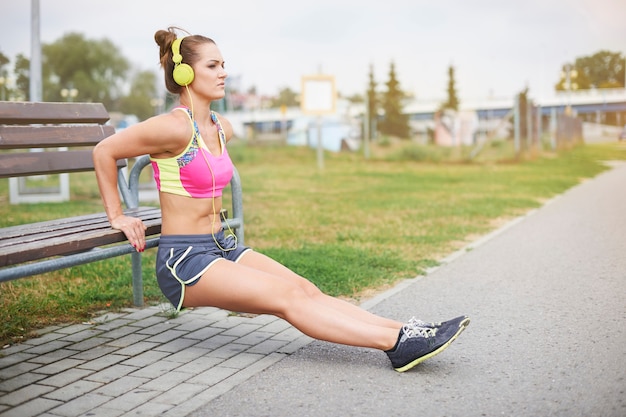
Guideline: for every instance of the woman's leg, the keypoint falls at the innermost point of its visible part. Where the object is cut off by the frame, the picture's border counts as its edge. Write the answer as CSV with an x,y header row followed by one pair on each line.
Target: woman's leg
x,y
238,287
264,263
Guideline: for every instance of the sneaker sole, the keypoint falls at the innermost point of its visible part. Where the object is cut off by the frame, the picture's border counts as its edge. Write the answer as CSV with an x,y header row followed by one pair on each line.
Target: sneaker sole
x,y
462,325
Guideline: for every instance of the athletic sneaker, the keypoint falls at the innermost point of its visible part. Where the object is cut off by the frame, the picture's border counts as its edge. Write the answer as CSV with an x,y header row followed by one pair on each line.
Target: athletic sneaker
x,y
416,344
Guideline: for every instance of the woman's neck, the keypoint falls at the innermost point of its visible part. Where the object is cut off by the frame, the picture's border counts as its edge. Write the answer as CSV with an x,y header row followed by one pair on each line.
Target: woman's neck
x,y
199,107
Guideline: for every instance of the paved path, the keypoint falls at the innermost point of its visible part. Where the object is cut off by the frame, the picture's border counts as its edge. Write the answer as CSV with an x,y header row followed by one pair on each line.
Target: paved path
x,y
547,297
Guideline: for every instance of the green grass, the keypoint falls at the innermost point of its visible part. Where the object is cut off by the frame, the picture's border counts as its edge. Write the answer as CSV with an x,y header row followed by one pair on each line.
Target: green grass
x,y
358,225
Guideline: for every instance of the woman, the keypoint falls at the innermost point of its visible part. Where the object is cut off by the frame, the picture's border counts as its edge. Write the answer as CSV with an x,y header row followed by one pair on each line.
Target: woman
x,y
197,263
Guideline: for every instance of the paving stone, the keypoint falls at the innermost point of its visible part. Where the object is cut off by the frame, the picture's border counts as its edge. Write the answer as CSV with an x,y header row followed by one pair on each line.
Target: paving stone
x,y
128,340
24,394
213,376
242,360
10,350
230,322
204,333
151,408
116,329
132,399
95,352
82,335
191,324
145,358
59,366
103,362
45,338
54,356
136,348
167,381
155,369
66,377
120,386
199,365
180,393
20,381
111,373
147,322
156,329
72,390
241,330
75,328
47,347
81,405
89,343
32,408
139,314
17,369
166,336
254,338
15,358
177,345
229,350
108,318
187,355
216,342
268,346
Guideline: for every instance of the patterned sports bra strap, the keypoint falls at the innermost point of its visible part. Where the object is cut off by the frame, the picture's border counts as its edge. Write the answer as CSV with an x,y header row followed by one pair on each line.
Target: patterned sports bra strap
x,y
220,130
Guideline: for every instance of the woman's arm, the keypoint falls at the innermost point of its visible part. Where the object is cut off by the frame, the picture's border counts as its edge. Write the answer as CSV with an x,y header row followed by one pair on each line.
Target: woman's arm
x,y
158,135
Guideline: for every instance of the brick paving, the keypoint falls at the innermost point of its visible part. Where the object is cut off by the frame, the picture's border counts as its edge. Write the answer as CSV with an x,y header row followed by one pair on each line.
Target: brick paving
x,y
139,362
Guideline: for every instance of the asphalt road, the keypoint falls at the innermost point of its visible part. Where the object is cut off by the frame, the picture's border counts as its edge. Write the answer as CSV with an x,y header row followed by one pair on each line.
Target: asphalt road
x,y
547,299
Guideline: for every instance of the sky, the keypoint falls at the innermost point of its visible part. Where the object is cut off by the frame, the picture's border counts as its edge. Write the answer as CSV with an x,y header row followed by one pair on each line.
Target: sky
x,y
497,48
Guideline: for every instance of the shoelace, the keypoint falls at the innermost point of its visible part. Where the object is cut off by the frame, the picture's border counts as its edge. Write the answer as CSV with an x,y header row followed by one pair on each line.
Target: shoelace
x,y
424,332
414,322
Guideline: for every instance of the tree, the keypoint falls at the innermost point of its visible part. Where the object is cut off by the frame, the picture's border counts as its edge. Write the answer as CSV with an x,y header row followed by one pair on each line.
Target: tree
x,y
4,75
95,69
143,93
523,103
604,69
286,97
22,77
372,104
395,122
453,101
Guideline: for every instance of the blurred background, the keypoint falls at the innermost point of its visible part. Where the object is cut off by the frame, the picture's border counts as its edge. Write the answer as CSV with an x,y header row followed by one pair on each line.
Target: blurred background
x,y
447,73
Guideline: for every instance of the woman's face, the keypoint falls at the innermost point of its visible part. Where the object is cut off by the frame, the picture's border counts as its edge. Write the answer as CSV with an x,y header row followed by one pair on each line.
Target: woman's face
x,y
209,73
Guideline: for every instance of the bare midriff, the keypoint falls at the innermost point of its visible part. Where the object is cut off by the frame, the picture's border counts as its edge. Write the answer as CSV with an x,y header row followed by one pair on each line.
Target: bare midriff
x,y
189,216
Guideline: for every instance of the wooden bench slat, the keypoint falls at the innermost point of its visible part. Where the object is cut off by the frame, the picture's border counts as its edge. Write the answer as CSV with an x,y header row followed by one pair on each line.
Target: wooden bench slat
x,y
73,243
25,137
22,232
77,236
14,112
55,162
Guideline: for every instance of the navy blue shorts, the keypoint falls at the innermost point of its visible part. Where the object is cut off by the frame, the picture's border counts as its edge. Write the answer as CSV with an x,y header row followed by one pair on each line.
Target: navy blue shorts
x,y
183,259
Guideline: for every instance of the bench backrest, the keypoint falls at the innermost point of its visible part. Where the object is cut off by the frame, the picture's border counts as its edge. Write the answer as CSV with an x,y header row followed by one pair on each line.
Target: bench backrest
x,y
29,127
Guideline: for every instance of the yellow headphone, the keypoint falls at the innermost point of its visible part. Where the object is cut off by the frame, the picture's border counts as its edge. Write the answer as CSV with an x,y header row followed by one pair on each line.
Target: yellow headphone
x,y
183,73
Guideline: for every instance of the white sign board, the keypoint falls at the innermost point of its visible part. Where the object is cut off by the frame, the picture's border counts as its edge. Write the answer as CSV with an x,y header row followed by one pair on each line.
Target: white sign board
x,y
318,94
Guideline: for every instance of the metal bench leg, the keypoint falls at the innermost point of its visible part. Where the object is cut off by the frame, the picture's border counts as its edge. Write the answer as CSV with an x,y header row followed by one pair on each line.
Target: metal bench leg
x,y
137,279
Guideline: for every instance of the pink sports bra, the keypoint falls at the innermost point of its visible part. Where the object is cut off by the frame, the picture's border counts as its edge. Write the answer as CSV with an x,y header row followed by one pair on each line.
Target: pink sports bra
x,y
195,172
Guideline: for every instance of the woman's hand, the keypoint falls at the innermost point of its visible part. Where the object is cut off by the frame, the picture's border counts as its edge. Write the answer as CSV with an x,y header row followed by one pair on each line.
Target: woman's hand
x,y
133,228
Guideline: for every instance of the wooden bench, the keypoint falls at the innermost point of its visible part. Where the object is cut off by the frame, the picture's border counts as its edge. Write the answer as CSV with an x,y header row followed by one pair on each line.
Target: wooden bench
x,y
75,128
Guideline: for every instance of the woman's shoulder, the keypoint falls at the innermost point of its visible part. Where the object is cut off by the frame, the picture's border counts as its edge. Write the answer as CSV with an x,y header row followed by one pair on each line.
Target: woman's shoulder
x,y
165,132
